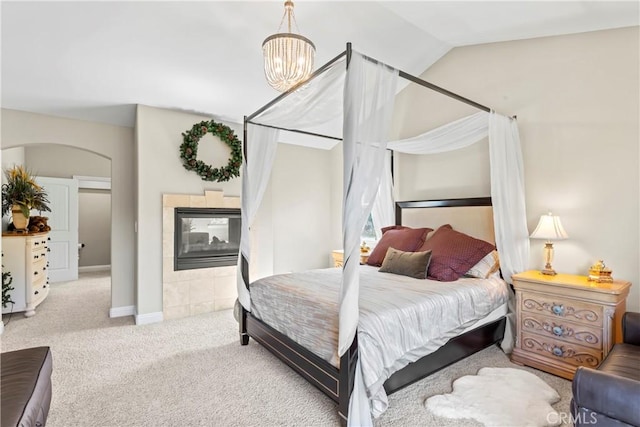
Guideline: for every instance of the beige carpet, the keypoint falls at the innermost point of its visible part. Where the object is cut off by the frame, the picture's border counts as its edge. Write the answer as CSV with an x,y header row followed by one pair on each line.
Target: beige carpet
x,y
193,372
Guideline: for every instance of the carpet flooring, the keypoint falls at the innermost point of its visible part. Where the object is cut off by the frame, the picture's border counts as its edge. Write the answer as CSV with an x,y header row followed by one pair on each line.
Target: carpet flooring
x,y
193,372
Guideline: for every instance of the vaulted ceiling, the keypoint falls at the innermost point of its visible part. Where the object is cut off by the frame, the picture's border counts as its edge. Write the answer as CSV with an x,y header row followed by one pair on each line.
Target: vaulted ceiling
x,y
96,60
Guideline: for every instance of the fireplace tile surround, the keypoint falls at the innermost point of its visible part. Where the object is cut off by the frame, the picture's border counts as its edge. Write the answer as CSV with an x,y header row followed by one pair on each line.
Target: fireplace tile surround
x,y
190,292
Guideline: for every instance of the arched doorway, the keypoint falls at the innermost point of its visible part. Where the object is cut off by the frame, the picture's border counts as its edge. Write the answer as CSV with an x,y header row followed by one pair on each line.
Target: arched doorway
x,y
85,178
22,129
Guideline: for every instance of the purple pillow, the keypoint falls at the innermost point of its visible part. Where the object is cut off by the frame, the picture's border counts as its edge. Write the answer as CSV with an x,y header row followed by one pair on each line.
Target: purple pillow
x,y
404,239
392,227
453,253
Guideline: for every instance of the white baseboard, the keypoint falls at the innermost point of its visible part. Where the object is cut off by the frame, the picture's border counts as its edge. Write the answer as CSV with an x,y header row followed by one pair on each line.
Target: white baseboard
x,y
92,268
143,319
128,310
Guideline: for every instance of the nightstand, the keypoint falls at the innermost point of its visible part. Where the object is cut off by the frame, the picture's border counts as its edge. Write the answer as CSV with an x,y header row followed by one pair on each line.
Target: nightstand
x,y
338,256
565,321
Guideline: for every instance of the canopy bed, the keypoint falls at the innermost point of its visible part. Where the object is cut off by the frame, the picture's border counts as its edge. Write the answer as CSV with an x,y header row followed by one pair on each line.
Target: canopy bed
x,y
356,93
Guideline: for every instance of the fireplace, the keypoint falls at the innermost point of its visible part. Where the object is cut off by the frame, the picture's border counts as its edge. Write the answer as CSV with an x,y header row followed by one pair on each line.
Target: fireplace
x,y
206,237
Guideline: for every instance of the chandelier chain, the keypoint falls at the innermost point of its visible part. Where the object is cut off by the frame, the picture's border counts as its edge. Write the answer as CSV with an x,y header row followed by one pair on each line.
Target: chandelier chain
x,y
290,16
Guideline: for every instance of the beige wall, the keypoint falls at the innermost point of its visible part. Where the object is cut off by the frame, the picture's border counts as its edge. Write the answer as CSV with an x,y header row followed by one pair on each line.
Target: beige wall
x,y
65,162
12,157
336,197
113,142
577,102
301,208
160,170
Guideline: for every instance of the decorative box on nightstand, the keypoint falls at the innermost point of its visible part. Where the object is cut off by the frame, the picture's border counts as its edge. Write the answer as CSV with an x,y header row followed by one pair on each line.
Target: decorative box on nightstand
x,y
338,256
565,321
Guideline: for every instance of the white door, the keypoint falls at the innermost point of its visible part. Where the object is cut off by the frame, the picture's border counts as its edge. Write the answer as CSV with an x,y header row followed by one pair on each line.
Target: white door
x,y
63,219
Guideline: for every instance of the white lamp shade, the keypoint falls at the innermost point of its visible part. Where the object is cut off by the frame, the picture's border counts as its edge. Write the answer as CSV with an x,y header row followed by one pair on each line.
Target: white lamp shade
x,y
549,228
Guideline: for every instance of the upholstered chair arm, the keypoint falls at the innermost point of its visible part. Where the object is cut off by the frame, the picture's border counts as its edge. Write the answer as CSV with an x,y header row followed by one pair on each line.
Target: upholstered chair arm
x,y
611,395
631,328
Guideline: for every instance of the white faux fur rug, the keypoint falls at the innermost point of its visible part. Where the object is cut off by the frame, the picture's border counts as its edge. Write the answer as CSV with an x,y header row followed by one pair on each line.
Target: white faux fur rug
x,y
499,397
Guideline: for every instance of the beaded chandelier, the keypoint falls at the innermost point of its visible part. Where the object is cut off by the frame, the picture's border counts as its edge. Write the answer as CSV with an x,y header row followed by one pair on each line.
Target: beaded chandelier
x,y
288,57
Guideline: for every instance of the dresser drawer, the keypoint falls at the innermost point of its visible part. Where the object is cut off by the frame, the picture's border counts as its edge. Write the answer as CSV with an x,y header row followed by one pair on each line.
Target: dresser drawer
x,y
39,254
38,243
556,350
39,282
39,270
577,311
560,329
39,294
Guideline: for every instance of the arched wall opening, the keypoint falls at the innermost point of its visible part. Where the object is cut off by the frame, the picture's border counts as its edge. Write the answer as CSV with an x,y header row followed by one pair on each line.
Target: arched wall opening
x,y
23,129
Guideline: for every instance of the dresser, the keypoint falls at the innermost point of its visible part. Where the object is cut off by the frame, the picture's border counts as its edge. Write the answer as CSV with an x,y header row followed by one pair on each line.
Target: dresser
x,y
25,257
338,257
565,321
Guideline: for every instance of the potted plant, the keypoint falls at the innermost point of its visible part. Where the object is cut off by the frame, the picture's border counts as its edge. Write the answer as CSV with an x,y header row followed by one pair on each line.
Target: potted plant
x,y
20,194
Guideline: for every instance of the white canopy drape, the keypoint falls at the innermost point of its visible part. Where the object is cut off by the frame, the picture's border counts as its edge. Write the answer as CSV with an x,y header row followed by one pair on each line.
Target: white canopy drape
x,y
369,94
256,170
367,91
507,185
507,177
382,213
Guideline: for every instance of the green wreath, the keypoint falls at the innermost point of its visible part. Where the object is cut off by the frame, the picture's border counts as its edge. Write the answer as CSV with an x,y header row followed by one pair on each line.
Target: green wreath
x,y
189,151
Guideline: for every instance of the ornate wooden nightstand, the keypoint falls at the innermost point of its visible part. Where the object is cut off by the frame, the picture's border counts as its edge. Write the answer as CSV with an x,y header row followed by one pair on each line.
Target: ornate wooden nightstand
x,y
565,321
338,256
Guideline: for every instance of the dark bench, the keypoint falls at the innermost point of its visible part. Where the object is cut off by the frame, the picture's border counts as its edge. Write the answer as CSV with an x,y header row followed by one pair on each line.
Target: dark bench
x,y
26,387
610,395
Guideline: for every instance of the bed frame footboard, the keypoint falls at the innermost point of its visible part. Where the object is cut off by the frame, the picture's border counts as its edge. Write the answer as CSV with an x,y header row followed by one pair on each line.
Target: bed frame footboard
x,y
338,383
317,371
453,351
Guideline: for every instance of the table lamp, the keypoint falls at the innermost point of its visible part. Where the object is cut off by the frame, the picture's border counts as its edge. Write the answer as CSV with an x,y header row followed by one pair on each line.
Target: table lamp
x,y
549,228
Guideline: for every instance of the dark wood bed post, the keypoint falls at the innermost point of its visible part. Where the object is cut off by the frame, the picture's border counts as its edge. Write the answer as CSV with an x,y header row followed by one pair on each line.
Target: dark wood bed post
x,y
345,380
244,264
349,359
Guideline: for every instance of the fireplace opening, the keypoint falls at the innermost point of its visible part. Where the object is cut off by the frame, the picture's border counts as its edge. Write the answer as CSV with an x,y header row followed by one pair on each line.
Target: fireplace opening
x,y
206,237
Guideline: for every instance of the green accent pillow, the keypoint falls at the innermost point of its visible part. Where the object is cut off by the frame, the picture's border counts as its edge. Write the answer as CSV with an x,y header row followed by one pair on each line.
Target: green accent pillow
x,y
412,264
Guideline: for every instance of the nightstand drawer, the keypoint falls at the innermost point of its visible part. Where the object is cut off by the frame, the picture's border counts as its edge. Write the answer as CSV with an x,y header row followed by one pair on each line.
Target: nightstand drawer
x,y
560,329
556,350
577,311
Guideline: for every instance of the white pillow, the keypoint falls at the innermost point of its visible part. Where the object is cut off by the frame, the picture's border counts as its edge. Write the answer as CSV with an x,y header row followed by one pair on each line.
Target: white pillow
x,y
486,267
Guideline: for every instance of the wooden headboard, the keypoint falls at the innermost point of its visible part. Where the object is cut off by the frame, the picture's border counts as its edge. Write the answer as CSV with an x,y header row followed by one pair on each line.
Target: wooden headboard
x,y
472,216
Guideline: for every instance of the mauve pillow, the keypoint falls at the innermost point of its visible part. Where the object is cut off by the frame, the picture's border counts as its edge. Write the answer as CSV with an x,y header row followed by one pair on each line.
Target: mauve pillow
x,y
453,253
412,264
404,239
392,227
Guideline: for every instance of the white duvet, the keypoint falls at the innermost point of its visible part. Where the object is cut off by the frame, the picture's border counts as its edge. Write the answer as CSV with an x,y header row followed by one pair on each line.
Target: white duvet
x,y
401,319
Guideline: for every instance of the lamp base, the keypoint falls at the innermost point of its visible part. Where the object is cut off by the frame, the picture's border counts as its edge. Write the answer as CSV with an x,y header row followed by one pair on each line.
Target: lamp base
x,y
548,257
